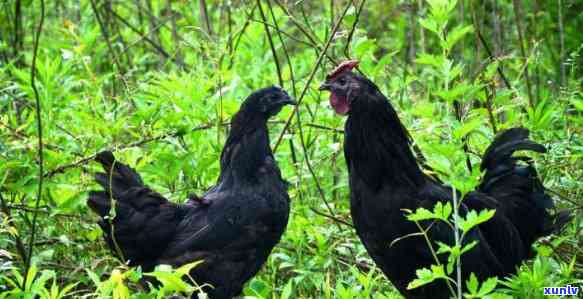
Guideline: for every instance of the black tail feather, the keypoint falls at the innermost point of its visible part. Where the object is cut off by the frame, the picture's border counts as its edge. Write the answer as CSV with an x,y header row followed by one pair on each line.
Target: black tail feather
x,y
144,220
558,222
517,186
505,144
118,177
99,202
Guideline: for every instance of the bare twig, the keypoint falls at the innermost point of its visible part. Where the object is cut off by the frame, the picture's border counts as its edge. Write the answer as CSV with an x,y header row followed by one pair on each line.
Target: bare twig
x,y
204,17
153,32
105,34
487,48
155,45
39,129
18,41
300,129
321,127
311,169
311,76
41,209
562,43
174,29
489,100
290,36
17,240
518,17
351,34
285,51
242,30
314,42
17,134
271,45
83,161
332,217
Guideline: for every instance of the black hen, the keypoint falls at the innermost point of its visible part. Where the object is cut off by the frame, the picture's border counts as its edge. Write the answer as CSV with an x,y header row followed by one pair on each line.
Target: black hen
x,y
385,178
232,228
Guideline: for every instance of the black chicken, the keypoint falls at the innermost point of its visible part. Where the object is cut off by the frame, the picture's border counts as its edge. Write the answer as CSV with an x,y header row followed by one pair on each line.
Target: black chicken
x,y
385,179
232,228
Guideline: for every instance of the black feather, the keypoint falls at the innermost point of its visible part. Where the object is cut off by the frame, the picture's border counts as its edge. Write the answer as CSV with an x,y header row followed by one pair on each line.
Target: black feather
x,y
385,179
232,228
505,144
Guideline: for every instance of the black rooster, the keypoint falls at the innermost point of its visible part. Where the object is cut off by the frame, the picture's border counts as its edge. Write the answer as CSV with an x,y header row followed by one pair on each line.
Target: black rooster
x,y
385,178
232,228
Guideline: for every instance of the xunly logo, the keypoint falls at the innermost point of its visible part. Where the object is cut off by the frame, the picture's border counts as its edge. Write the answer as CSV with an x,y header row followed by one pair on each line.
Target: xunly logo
x,y
567,290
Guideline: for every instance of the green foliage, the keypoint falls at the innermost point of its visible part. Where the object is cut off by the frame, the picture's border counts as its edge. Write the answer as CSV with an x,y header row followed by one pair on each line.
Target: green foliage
x,y
443,212
167,116
480,291
169,282
528,282
36,285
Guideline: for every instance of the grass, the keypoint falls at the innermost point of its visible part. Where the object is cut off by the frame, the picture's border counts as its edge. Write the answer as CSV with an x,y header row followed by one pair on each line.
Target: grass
x,y
167,120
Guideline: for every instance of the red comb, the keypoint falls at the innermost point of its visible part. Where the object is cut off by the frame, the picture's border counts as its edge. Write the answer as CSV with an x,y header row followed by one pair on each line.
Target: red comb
x,y
343,67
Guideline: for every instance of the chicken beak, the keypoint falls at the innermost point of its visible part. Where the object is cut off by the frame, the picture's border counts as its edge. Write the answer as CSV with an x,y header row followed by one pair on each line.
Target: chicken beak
x,y
325,86
290,101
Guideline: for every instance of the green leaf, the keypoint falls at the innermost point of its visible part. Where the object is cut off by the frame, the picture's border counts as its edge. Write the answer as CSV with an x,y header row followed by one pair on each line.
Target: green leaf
x,y
469,246
472,219
186,268
456,34
452,258
425,276
488,286
468,127
472,284
287,290
94,278
430,25
430,59
578,104
442,211
443,248
421,214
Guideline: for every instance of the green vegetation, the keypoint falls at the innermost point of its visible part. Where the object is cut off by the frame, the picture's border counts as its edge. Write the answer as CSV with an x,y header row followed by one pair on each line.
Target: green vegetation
x,y
157,82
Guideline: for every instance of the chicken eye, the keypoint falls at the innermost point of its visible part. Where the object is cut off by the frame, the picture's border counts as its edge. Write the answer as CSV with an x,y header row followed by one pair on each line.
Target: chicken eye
x,y
342,81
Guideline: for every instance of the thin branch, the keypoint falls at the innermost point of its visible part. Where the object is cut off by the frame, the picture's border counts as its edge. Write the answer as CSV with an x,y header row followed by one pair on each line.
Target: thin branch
x,y
321,127
300,129
311,76
562,44
310,168
159,24
334,218
105,34
290,36
490,96
83,161
17,134
303,30
271,45
205,17
487,48
18,33
17,240
351,34
286,53
155,45
41,209
39,129
521,41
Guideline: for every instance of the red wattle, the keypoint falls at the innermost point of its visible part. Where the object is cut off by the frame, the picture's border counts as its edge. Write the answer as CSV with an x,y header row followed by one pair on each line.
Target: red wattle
x,y
340,104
